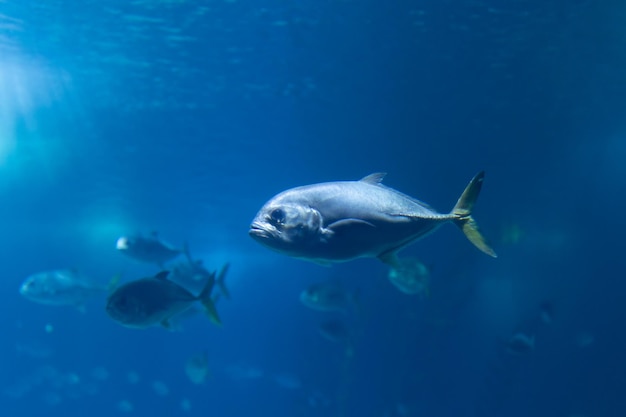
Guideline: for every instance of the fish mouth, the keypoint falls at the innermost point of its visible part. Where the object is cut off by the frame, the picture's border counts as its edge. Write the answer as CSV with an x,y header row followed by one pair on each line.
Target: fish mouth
x,y
259,231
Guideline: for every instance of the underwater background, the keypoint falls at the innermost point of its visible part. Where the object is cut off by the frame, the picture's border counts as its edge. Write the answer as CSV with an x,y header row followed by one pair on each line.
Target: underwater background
x,y
184,117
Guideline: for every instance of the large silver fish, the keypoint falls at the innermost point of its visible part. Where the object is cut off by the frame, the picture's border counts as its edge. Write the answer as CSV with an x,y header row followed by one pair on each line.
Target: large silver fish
x,y
340,221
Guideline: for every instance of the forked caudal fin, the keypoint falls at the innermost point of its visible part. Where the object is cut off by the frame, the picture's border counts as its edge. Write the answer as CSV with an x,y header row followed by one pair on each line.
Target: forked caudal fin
x,y
206,298
207,301
220,281
462,213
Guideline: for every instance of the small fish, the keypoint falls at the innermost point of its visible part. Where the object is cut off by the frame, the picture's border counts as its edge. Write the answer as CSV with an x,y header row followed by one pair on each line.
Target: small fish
x,y
192,270
287,381
584,339
197,368
334,330
520,344
546,312
62,287
147,249
339,221
33,350
338,332
410,276
156,300
328,296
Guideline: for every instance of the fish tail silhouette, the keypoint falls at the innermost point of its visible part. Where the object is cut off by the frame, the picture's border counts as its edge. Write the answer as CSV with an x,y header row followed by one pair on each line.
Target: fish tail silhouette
x,y
220,281
207,301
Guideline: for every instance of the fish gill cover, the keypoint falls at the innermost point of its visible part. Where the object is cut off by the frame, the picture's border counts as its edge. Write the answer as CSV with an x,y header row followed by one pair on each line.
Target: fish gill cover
x,y
175,121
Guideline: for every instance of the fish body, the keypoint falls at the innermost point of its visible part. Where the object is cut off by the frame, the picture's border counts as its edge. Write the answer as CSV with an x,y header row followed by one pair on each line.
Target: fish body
x,y
520,343
197,368
185,271
193,270
410,276
337,331
327,296
62,287
339,221
334,330
155,301
149,249
546,313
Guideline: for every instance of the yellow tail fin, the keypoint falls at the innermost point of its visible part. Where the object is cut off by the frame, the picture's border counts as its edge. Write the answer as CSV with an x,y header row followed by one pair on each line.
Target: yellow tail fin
x,y
462,213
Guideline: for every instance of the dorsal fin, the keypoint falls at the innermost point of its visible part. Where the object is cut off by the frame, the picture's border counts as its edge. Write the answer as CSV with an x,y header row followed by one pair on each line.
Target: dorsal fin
x,y
375,178
162,275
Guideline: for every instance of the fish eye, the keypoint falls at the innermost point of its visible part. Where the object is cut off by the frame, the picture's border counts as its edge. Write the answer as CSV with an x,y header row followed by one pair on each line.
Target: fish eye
x,y
278,215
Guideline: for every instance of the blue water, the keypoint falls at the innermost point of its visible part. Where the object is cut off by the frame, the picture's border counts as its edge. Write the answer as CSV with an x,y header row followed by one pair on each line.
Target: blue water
x,y
184,117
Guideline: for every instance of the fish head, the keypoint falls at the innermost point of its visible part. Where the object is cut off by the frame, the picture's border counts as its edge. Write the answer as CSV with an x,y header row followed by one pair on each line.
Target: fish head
x,y
38,287
30,288
146,249
125,308
123,243
310,297
287,227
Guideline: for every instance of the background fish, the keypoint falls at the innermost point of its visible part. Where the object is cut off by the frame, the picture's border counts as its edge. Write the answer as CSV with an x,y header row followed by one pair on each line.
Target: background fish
x,y
337,331
520,343
148,249
328,296
410,276
197,368
154,301
62,287
189,271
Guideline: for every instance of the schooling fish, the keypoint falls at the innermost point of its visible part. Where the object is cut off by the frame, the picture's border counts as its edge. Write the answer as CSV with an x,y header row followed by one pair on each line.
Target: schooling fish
x,y
193,270
148,249
328,296
340,221
155,301
62,287
410,276
337,331
197,367
520,343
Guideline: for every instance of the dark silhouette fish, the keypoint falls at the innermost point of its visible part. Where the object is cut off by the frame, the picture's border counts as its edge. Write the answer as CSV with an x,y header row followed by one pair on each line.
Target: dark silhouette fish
x,y
340,221
156,300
